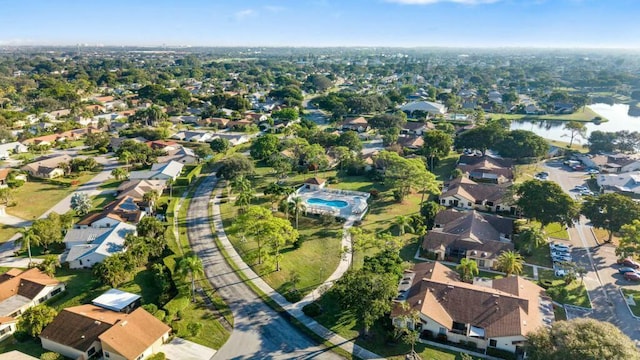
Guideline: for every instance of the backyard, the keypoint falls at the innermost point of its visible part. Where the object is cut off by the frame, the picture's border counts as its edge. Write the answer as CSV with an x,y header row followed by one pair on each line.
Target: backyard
x,y
47,193
574,293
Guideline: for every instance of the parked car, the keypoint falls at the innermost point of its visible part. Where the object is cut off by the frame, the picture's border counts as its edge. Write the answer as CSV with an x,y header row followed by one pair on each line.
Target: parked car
x,y
629,263
587,193
560,259
626,269
556,245
580,188
561,250
593,171
561,272
632,276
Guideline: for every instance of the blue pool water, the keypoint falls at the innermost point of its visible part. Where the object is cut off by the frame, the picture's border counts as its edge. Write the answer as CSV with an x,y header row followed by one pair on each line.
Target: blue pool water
x,y
331,203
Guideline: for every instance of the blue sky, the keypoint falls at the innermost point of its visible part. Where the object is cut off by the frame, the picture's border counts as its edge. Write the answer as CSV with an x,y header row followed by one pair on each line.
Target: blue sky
x,y
476,23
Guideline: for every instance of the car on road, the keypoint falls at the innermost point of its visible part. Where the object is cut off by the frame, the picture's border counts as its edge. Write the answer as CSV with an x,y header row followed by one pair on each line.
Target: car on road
x,y
629,263
543,175
593,171
632,276
626,269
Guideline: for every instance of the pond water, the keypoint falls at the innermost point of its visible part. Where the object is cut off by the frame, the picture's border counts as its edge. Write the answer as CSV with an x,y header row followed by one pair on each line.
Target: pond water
x,y
617,114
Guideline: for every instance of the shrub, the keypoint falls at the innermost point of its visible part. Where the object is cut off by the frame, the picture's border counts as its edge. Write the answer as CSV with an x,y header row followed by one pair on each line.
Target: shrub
x,y
151,308
293,296
194,328
178,303
21,335
374,193
507,355
312,309
51,356
158,356
160,315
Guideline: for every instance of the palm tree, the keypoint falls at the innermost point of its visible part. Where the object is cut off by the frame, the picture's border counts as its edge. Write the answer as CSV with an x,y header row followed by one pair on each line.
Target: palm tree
x,y
468,269
298,207
191,266
49,264
150,197
403,223
510,262
28,235
119,173
240,183
532,238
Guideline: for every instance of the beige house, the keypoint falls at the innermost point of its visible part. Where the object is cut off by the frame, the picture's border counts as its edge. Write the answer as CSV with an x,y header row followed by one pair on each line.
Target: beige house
x,y
48,167
464,193
490,313
469,234
20,290
486,169
359,124
86,331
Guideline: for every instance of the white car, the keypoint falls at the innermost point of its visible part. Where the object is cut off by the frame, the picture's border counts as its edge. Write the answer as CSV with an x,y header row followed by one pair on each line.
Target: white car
x,y
580,188
561,272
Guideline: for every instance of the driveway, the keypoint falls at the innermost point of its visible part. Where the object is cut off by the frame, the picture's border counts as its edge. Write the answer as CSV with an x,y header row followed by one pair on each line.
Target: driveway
x,y
602,280
259,331
181,349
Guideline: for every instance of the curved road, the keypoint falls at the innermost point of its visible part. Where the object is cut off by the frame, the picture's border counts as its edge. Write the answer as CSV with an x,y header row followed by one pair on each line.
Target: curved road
x,y
259,331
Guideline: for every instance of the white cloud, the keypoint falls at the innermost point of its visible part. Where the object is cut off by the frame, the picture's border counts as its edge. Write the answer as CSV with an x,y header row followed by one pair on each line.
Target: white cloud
x,y
243,14
429,2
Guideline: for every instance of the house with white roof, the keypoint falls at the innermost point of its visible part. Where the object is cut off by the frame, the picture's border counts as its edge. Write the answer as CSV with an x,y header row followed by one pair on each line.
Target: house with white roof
x,y
118,300
15,147
89,246
624,183
163,171
425,106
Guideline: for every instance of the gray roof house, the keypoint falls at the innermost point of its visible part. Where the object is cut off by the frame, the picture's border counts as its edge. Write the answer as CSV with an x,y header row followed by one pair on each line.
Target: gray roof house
x,y
87,247
162,171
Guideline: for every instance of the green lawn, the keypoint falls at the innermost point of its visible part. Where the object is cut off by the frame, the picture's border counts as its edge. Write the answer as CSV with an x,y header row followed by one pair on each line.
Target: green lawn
x,y
315,260
6,232
47,194
110,184
30,347
556,230
101,200
635,309
572,294
446,166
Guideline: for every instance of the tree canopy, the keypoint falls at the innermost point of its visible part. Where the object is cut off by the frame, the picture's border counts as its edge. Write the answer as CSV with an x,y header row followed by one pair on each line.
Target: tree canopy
x,y
521,144
546,202
264,146
610,211
404,175
235,165
580,339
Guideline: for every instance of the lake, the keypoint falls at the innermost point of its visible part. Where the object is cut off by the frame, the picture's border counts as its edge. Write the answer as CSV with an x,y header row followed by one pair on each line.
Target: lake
x,y
617,115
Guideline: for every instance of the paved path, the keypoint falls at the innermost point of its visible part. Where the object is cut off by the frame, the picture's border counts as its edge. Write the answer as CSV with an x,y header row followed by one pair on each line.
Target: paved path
x,y
259,331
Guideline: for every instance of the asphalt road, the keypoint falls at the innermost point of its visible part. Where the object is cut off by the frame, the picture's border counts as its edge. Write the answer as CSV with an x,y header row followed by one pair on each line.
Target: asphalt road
x,y
259,332
602,280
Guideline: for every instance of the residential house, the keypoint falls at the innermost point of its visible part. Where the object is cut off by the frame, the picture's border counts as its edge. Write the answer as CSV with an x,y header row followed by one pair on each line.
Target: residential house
x,y
137,188
413,142
469,234
486,168
255,117
43,140
315,183
193,136
89,331
163,145
182,155
611,163
4,174
496,313
359,124
59,113
86,247
625,183
115,143
7,149
162,171
464,193
20,290
495,96
429,107
125,209
47,167
416,128
220,123
117,300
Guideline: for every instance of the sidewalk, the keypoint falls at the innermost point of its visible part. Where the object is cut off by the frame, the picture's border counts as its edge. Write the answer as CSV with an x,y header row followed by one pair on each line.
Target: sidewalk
x,y
294,310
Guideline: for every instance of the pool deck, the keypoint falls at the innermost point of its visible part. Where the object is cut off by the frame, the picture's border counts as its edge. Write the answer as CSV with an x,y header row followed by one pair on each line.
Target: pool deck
x,y
356,202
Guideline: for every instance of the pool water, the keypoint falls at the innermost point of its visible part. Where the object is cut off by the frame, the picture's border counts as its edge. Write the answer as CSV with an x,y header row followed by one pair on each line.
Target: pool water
x,y
331,203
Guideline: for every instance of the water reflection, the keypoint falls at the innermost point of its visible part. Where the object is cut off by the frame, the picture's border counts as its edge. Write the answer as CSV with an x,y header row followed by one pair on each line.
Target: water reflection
x,y
618,115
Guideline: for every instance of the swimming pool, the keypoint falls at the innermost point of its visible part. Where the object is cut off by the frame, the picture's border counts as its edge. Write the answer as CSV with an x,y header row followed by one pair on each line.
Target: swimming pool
x,y
330,203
